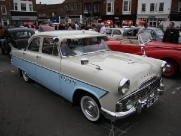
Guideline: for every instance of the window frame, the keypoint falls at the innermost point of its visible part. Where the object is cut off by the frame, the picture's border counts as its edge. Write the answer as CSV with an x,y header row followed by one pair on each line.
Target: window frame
x,y
96,7
111,7
160,7
15,6
77,7
22,7
3,10
142,7
30,7
72,7
62,9
153,7
179,6
128,6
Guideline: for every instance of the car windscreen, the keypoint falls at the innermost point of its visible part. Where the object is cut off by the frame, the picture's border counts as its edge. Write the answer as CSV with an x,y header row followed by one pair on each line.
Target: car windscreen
x,y
159,33
22,34
82,46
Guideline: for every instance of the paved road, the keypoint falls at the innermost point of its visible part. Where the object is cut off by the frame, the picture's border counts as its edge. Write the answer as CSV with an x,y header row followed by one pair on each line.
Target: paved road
x,y
28,109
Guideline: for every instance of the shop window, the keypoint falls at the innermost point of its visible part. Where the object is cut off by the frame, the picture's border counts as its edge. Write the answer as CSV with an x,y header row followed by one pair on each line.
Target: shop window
x,y
179,6
3,10
143,7
15,6
23,6
161,7
30,7
152,7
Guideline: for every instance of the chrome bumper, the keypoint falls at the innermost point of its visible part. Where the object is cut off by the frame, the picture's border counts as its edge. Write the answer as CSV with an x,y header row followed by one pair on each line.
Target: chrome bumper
x,y
146,103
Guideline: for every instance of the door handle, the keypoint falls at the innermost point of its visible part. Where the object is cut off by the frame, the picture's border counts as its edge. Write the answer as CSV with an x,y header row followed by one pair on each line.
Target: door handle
x,y
24,52
38,56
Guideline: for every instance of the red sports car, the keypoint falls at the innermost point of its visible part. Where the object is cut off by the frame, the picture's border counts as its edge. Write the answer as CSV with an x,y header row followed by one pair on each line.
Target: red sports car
x,y
159,50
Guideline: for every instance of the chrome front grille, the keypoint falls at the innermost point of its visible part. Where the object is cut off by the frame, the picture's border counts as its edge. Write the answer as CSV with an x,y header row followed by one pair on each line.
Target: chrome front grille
x,y
144,89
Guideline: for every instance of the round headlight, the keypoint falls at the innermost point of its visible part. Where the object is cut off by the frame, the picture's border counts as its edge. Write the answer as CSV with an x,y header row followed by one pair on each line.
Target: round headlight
x,y
164,66
123,86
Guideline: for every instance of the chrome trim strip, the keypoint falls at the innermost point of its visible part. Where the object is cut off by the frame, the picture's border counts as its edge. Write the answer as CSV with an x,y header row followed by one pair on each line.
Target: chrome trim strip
x,y
67,76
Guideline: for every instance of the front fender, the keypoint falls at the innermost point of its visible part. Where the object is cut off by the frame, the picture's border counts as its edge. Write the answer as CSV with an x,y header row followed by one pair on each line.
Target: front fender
x,y
161,54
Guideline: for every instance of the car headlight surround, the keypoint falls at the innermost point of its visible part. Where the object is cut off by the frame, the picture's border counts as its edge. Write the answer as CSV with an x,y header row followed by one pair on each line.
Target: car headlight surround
x,y
163,66
124,85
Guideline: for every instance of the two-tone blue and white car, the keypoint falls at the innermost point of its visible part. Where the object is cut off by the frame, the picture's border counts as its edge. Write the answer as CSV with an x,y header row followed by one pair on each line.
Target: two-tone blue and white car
x,y
79,66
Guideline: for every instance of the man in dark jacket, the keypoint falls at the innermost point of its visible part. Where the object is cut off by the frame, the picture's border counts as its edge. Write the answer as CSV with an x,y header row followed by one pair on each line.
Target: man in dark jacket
x,y
171,34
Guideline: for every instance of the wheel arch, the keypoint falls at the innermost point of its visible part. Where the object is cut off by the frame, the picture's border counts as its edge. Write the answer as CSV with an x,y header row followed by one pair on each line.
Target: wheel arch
x,y
82,92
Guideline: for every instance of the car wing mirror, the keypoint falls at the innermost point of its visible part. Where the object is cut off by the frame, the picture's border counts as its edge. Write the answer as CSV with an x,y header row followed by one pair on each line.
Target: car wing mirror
x,y
55,39
84,61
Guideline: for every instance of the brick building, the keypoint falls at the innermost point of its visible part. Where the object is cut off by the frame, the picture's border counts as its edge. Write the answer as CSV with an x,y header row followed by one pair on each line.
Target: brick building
x,y
17,12
69,10
175,14
120,12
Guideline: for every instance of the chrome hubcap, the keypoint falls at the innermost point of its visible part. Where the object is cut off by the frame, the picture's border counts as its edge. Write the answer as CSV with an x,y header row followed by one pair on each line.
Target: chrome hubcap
x,y
90,108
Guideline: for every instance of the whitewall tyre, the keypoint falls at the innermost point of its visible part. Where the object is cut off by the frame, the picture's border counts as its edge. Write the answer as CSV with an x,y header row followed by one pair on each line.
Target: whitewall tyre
x,y
90,108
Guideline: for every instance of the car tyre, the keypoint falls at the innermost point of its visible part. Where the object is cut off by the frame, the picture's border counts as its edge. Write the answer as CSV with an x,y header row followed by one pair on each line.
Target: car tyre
x,y
25,76
174,69
90,108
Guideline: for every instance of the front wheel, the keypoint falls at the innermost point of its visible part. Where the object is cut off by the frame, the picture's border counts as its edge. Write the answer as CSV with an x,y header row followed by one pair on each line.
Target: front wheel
x,y
90,108
25,76
174,68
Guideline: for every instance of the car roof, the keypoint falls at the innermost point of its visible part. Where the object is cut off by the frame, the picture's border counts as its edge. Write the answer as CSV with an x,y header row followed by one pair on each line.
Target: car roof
x,y
20,29
69,33
151,28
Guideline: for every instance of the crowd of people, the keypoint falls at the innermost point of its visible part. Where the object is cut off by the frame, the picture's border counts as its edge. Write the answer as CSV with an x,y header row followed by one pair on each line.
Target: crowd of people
x,y
171,34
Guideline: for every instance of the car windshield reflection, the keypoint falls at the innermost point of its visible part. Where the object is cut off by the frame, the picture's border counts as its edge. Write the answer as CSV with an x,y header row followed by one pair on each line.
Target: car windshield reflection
x,y
77,47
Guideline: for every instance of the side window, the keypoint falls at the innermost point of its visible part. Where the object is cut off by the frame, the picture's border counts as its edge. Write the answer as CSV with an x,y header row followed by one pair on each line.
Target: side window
x,y
135,32
117,32
109,31
34,45
49,47
130,33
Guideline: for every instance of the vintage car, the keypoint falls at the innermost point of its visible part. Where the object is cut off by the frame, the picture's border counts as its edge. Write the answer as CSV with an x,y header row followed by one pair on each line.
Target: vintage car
x,y
16,37
79,66
156,33
114,33
155,49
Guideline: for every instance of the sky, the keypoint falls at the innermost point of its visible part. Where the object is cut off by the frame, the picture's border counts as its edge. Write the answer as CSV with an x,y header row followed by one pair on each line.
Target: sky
x,y
49,1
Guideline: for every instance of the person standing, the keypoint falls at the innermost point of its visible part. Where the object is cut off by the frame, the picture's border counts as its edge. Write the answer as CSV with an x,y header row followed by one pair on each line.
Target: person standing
x,y
142,30
1,32
103,29
171,34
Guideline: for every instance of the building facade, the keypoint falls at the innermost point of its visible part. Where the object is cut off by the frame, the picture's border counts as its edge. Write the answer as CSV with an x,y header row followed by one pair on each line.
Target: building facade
x,y
153,12
175,14
120,12
17,12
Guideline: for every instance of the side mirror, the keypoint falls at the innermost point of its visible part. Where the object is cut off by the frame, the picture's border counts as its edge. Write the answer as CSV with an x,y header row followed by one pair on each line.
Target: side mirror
x,y
84,61
55,39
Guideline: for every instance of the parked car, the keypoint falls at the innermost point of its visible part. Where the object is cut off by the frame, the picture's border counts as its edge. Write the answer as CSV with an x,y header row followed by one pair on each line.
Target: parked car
x,y
159,50
156,33
16,37
79,66
114,33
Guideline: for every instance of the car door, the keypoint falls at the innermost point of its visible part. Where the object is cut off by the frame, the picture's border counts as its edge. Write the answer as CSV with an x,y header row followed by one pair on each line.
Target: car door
x,y
30,57
48,65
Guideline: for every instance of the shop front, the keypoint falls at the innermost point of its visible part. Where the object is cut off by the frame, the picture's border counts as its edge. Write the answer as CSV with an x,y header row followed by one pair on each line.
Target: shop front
x,y
152,20
23,18
119,20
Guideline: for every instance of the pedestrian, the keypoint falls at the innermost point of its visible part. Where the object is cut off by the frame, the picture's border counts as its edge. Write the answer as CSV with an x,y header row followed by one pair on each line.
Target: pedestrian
x,y
171,35
40,29
142,30
94,27
103,29
1,32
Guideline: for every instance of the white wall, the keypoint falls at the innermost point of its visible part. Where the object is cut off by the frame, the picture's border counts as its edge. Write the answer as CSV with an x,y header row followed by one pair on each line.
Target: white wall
x,y
27,4
167,7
